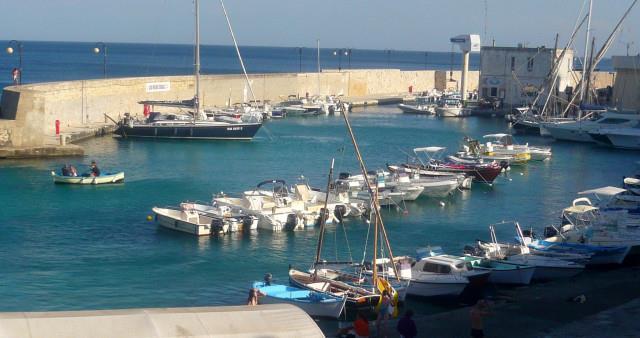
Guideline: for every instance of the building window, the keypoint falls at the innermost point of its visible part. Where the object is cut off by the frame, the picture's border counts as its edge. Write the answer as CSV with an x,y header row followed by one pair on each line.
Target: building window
x,y
494,91
530,64
485,92
513,63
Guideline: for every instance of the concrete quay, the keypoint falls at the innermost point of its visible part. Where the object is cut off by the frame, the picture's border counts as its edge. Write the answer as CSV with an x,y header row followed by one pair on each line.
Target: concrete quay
x,y
546,310
278,320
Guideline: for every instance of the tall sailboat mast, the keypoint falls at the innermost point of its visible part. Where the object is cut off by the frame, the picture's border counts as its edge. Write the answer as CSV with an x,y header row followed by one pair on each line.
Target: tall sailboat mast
x,y
196,63
585,67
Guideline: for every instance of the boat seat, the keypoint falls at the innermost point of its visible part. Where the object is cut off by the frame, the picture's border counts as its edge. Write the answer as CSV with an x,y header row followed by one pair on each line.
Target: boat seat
x,y
320,286
303,192
268,205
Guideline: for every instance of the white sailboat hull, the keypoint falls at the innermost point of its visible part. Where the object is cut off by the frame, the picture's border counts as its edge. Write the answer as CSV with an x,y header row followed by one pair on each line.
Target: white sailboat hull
x,y
316,309
434,289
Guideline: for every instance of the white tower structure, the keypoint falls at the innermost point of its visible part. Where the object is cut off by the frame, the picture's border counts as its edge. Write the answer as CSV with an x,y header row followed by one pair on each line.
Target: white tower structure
x,y
467,43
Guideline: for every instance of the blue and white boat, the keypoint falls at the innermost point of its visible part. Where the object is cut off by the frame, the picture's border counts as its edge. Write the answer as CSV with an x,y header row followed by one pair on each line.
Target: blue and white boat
x,y
314,303
599,254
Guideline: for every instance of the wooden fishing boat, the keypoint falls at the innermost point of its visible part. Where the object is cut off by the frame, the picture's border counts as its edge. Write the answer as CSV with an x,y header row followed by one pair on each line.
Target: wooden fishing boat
x,y
102,179
314,303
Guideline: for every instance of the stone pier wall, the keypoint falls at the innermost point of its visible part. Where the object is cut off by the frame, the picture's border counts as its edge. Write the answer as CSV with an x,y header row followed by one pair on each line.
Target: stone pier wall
x,y
29,112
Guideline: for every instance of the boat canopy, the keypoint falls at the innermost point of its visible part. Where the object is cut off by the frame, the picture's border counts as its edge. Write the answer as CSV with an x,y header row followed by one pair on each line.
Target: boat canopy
x,y
604,191
429,149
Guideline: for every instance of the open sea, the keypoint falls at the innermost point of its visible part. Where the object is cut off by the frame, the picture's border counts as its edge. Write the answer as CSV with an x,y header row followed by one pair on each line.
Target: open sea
x,y
71,247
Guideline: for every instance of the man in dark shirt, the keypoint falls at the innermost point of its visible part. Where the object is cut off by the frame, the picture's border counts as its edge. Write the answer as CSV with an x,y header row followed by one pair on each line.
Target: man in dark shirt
x,y
406,325
95,171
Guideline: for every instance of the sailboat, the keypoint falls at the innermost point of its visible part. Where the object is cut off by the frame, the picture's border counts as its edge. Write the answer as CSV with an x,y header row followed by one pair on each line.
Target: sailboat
x,y
195,123
357,297
361,291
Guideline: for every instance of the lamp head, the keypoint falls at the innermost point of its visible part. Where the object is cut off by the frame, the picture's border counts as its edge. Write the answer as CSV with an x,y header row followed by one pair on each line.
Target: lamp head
x,y
9,50
335,52
96,50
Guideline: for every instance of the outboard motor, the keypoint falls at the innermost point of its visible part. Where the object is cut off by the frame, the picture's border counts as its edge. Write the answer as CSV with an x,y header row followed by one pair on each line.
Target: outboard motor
x,y
550,232
292,222
247,221
340,211
473,251
332,110
217,225
326,216
529,233
504,165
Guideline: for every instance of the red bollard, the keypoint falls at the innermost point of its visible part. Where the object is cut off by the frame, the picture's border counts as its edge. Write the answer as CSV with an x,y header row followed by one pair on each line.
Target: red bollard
x,y
57,127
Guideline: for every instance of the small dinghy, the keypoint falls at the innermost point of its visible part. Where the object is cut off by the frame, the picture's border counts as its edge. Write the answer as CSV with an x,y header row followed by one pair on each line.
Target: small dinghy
x,y
102,179
314,303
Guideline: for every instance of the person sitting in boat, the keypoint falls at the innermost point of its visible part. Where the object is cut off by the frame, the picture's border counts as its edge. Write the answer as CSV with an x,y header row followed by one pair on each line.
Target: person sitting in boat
x,y
72,171
65,170
95,171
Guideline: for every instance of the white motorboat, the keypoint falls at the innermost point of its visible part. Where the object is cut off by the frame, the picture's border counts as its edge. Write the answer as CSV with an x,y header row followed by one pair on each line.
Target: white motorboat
x,y
613,198
547,267
235,219
423,105
275,208
624,138
502,272
186,220
505,145
581,130
450,107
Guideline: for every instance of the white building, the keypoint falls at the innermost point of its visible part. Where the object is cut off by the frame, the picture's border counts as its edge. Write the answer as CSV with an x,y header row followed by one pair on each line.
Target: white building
x,y
515,74
626,88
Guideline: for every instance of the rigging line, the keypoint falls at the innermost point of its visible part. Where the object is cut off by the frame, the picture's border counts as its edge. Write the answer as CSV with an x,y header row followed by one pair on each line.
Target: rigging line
x,y
346,239
235,43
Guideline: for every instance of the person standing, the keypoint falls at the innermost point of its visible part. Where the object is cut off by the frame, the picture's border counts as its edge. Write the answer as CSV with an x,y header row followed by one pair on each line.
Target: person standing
x,y
478,312
383,313
406,326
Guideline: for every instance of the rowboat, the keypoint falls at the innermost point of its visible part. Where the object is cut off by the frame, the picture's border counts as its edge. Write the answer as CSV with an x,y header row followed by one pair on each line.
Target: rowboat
x,y
102,179
314,303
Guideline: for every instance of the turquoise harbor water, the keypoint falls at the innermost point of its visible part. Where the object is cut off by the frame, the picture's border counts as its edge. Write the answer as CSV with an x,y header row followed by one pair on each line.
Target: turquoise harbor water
x,y
71,247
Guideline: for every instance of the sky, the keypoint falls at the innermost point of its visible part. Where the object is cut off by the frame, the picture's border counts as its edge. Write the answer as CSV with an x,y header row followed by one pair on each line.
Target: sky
x,y
363,24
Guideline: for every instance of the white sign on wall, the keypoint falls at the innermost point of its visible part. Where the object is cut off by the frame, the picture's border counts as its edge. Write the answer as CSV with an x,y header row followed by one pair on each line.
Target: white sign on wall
x,y
153,87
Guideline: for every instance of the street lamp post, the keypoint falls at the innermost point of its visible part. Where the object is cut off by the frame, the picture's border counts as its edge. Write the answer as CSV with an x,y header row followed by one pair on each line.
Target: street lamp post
x,y
339,53
11,47
101,47
300,58
426,56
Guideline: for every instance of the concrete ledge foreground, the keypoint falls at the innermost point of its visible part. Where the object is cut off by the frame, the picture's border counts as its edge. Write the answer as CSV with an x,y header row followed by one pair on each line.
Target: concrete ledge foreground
x,y
278,320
